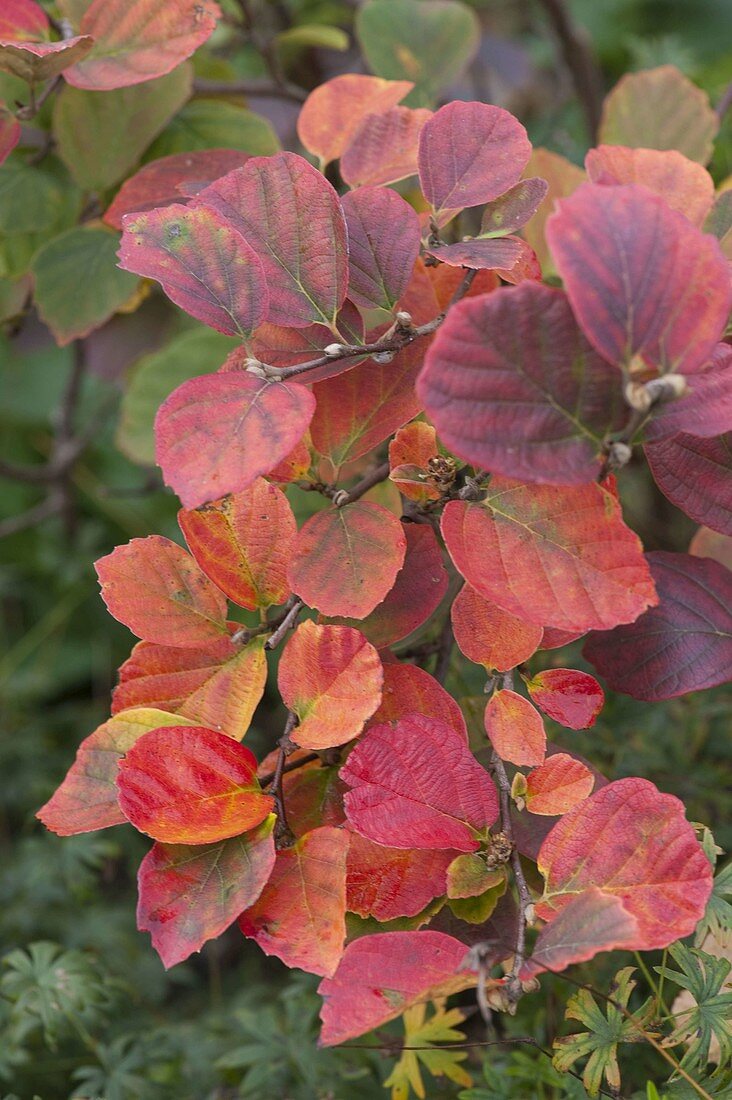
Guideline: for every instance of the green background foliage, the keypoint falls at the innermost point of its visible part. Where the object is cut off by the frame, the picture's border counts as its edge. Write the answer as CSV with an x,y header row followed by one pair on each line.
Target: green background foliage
x,y
86,1009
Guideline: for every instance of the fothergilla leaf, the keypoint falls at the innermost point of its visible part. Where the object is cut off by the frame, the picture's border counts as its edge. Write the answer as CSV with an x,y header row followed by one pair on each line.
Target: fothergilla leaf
x,y
489,635
593,921
573,698
512,210
387,883
332,112
36,62
515,728
409,689
682,183
696,475
383,244
558,785
384,147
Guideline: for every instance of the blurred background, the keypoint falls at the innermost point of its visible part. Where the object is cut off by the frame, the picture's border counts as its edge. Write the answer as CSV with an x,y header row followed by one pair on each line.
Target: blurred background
x,y
86,1009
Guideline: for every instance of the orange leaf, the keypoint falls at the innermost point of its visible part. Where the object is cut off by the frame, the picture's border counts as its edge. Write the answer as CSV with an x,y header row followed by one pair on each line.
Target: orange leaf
x,y
682,183
331,677
157,590
490,636
190,785
384,147
572,698
333,111
414,446
558,785
243,543
301,914
515,728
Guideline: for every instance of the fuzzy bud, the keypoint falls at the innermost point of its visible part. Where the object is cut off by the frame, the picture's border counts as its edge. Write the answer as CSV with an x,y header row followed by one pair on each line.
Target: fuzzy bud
x,y
333,350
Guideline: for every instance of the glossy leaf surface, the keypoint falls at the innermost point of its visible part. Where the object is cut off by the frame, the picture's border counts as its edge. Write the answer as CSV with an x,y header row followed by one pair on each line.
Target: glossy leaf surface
x,y
137,40
345,560
218,686
469,154
331,677
202,264
551,555
243,543
332,112
392,970
190,785
384,147
217,434
489,635
684,644
87,798
417,785
515,728
696,475
630,840
291,217
648,288
558,785
571,698
158,591
300,915
512,385
383,244
189,894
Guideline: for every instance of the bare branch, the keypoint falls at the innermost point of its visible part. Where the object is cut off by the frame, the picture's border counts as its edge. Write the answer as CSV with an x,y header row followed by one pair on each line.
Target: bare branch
x,y
580,61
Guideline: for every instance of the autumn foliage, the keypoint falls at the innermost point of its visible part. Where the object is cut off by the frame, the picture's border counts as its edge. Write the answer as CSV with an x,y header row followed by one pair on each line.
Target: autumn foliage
x,y
459,369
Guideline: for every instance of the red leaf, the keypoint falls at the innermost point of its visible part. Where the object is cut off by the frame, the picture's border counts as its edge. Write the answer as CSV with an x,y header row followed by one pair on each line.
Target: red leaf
x,y
684,644
191,894
23,21
137,40
630,840
218,686
594,921
380,976
418,590
512,385
490,253
384,147
414,447
470,153
696,475
36,62
331,677
683,185
243,543
202,264
555,639
551,555
383,244
408,689
563,178
190,785
515,728
301,914
291,217
705,409
512,210
558,785
360,409
490,636
87,798
333,112
571,698
417,785
647,287
158,183
386,883
9,132
218,433
156,589
345,560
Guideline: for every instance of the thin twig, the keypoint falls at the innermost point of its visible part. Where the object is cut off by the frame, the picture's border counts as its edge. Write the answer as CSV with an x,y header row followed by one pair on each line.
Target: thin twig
x,y
253,89
725,102
14,524
287,624
347,496
580,61
309,758
284,836
444,651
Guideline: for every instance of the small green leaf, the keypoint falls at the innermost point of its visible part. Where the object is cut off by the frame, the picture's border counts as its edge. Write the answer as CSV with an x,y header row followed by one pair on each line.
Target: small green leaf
x,y
717,919
430,42
83,258
705,977
215,124
314,35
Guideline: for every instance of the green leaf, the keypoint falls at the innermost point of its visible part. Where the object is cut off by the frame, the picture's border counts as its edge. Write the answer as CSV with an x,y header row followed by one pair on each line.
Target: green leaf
x,y
313,35
102,135
599,1043
717,919
430,42
215,124
157,375
36,204
705,977
84,258
419,1031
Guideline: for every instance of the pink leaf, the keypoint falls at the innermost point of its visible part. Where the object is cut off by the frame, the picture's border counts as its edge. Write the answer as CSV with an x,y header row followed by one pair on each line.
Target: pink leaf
x,y
383,244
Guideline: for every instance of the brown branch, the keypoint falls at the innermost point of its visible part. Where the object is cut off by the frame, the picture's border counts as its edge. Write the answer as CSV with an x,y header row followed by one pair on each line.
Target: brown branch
x,y
580,61
309,758
347,496
287,623
725,102
404,333
262,89
14,524
284,837
444,651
